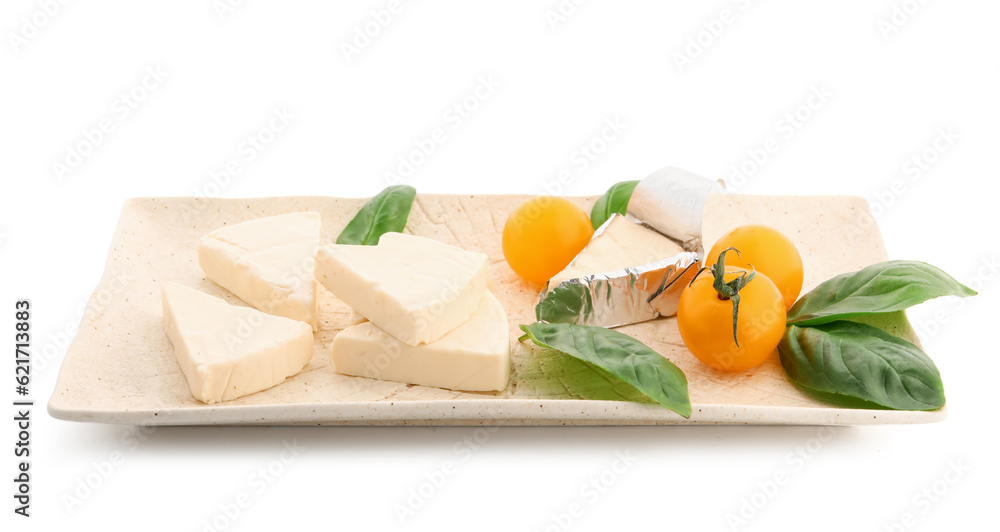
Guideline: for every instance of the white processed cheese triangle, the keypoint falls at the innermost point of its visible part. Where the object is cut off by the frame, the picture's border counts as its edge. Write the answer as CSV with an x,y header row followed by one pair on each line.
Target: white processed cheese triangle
x,y
227,351
474,357
417,294
267,262
394,239
400,240
622,244
354,318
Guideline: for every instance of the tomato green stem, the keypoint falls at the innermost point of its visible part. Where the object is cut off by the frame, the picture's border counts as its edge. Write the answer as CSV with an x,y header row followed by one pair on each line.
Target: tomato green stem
x,y
730,290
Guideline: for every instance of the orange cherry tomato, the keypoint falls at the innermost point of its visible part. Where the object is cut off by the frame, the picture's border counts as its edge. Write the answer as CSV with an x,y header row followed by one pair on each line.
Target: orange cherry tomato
x,y
705,321
543,236
766,250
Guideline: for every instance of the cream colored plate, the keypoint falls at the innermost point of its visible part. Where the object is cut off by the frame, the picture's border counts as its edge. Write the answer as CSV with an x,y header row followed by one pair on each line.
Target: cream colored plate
x,y
121,367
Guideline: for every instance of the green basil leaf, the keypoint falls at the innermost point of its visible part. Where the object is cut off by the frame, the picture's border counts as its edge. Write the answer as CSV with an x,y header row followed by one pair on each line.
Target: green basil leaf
x,y
884,287
549,374
615,200
565,303
620,355
856,360
387,212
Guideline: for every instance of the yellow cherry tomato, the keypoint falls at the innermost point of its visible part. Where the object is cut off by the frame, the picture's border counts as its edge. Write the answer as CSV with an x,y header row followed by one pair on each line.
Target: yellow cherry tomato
x,y
766,250
543,235
705,321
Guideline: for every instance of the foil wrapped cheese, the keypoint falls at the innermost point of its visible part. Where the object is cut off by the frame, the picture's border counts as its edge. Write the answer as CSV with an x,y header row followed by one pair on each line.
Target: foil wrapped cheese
x,y
671,200
628,273
618,244
635,268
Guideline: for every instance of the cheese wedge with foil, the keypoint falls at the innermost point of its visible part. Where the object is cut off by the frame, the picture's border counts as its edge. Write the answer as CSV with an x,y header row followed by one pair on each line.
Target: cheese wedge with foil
x,y
620,243
473,357
671,200
416,294
228,351
267,262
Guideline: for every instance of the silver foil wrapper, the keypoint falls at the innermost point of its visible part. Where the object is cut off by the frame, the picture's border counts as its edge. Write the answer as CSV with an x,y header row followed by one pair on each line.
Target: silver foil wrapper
x,y
620,297
669,201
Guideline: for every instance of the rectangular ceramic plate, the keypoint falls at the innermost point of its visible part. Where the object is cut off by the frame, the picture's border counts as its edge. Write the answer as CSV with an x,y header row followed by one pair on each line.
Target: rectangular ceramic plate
x,y
121,368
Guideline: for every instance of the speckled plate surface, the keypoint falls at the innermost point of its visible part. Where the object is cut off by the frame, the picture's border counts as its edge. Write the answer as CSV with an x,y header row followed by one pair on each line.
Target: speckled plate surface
x,y
121,368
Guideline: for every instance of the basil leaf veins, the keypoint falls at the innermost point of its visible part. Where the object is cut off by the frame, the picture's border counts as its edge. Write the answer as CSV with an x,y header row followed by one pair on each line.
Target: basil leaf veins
x,y
620,355
856,360
387,212
884,287
615,200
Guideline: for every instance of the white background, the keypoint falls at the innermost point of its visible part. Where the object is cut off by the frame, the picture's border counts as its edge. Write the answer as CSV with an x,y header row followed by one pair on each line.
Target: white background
x,y
892,87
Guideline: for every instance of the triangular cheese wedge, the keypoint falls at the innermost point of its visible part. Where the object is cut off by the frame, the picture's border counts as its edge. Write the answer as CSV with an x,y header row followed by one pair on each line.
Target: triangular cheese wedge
x,y
267,262
403,240
227,351
621,243
417,294
474,357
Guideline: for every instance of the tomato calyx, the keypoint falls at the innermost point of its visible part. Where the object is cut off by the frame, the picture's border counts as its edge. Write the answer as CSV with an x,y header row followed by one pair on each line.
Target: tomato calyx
x,y
728,290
